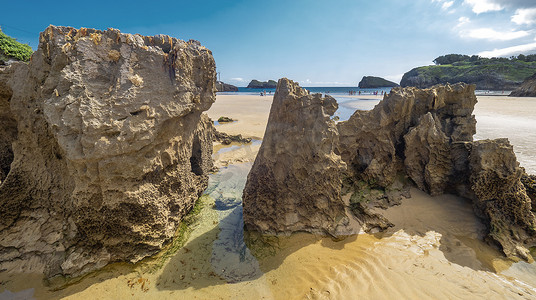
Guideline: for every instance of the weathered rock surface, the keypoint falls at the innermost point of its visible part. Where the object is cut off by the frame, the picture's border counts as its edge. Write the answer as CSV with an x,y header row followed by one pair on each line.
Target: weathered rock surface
x,y
529,181
527,88
294,184
373,143
8,125
111,151
500,197
427,158
225,87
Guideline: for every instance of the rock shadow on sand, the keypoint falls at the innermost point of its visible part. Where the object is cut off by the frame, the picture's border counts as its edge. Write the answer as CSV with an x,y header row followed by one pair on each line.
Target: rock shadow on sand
x,y
462,232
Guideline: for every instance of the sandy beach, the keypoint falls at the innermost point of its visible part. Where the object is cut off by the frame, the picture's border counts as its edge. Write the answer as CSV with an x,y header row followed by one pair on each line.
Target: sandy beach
x,y
433,252
511,117
251,113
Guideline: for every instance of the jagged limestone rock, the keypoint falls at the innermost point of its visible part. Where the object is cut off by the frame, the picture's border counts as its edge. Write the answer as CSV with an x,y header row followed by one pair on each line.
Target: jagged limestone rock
x,y
112,148
500,197
295,182
372,142
427,155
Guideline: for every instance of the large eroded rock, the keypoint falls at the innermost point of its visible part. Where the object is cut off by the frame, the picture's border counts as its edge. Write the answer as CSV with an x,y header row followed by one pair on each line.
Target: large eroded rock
x,y
111,151
424,135
295,182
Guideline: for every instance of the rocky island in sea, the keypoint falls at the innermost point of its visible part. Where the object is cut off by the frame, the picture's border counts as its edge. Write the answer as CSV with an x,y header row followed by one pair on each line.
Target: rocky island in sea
x,y
372,82
255,84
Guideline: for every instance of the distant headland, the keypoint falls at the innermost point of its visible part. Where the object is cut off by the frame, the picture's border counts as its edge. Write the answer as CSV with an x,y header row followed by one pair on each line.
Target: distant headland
x,y
497,73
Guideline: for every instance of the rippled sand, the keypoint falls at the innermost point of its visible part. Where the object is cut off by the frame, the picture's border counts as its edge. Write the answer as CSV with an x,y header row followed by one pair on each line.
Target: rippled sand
x,y
433,252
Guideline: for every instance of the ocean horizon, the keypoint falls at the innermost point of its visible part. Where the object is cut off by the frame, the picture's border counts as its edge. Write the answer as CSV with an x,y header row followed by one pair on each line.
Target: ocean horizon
x,y
338,90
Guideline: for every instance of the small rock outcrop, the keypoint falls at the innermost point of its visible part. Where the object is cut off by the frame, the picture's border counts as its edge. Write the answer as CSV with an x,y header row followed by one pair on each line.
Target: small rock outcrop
x,y
225,87
527,88
294,184
111,148
372,82
227,139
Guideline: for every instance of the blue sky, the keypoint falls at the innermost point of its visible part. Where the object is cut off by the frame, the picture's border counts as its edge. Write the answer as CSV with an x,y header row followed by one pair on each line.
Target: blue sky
x,y
318,43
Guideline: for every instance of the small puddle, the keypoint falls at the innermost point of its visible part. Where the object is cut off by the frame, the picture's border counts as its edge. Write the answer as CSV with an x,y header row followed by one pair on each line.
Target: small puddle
x,y
235,146
231,259
216,123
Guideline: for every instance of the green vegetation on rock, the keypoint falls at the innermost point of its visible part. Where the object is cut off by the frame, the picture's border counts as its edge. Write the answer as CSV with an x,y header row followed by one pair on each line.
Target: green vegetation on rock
x,y
182,235
487,73
255,84
11,49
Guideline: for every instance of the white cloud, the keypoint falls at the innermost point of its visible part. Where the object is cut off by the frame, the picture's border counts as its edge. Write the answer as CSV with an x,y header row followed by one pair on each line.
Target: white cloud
x,y
515,50
482,6
524,16
446,5
492,34
462,21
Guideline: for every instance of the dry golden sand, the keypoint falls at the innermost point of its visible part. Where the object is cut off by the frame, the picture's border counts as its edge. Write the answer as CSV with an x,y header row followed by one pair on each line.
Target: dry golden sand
x,y
250,111
434,252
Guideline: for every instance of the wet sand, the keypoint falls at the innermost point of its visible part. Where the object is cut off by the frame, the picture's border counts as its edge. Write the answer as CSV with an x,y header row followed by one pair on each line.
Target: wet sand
x,y
433,252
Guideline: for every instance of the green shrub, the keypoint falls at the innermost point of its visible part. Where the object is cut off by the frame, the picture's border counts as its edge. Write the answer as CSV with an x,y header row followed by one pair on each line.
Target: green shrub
x,y
10,48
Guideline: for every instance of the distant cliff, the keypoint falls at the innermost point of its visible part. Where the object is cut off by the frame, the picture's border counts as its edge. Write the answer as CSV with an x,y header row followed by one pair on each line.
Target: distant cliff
x,y
224,87
255,84
486,73
527,88
371,82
